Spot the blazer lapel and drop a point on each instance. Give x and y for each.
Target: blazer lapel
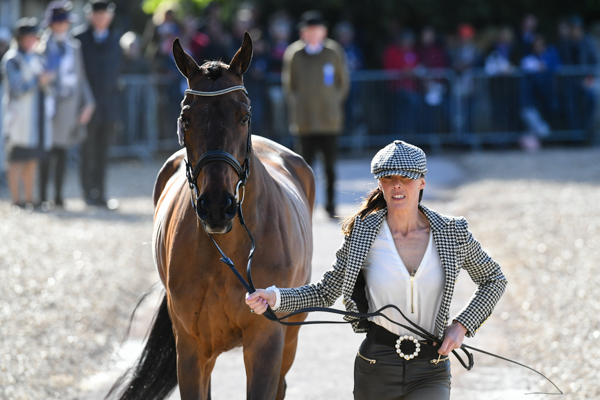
(445, 240)
(363, 235)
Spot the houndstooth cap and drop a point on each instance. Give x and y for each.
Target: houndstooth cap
(399, 158)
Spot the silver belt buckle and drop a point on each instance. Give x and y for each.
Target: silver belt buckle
(408, 339)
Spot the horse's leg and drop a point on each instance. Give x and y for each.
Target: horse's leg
(289, 353)
(193, 371)
(263, 351)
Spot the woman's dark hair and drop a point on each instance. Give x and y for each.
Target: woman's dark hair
(372, 202)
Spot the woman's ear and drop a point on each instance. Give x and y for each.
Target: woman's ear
(422, 185)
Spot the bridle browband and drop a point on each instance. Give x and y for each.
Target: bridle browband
(217, 92)
(243, 171)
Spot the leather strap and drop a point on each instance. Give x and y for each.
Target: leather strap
(216, 92)
(217, 155)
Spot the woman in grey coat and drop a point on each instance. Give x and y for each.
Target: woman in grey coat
(71, 90)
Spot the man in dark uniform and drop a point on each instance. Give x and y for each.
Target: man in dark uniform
(102, 59)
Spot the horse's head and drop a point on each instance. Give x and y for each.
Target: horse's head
(219, 124)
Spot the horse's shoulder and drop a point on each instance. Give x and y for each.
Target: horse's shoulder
(166, 172)
(279, 156)
(283, 159)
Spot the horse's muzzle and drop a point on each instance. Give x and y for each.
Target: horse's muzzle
(217, 218)
(218, 229)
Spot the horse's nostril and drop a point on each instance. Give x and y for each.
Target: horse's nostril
(230, 208)
(202, 207)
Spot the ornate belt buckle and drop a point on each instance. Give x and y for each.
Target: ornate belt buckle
(410, 349)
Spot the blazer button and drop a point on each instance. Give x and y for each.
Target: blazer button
(344, 301)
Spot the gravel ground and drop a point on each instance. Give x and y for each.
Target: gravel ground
(540, 216)
(69, 279)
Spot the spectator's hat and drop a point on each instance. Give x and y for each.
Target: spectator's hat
(25, 26)
(99, 5)
(58, 11)
(311, 18)
(399, 158)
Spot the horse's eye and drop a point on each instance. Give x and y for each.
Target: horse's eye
(246, 119)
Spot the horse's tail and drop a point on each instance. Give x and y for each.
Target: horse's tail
(154, 376)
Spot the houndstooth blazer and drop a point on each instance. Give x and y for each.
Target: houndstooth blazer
(457, 249)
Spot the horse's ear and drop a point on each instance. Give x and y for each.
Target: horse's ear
(185, 63)
(241, 61)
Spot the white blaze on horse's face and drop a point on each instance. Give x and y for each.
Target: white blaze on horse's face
(214, 127)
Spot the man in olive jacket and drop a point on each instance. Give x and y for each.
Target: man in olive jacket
(315, 81)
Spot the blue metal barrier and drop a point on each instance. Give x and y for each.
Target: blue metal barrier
(434, 108)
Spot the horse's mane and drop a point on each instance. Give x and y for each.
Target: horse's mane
(214, 69)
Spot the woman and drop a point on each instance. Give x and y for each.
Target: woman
(28, 110)
(74, 99)
(396, 251)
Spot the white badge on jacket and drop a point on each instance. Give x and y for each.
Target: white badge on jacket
(328, 74)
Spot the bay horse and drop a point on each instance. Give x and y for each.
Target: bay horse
(203, 313)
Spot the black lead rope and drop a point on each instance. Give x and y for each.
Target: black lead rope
(415, 329)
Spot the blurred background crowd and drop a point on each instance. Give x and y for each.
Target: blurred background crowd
(430, 74)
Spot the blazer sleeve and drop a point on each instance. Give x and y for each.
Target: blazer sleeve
(488, 277)
(323, 293)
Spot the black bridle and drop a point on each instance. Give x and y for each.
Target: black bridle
(243, 172)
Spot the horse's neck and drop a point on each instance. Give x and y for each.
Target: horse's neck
(257, 185)
(261, 191)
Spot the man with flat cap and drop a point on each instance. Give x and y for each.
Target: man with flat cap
(102, 59)
(315, 81)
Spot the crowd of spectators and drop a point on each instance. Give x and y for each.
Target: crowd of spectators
(419, 96)
(529, 104)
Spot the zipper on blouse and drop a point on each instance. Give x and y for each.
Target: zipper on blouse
(412, 290)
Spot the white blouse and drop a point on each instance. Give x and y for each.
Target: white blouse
(419, 295)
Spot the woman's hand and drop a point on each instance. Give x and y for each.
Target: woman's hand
(453, 338)
(260, 300)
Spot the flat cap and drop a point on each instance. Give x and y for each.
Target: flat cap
(311, 18)
(399, 158)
